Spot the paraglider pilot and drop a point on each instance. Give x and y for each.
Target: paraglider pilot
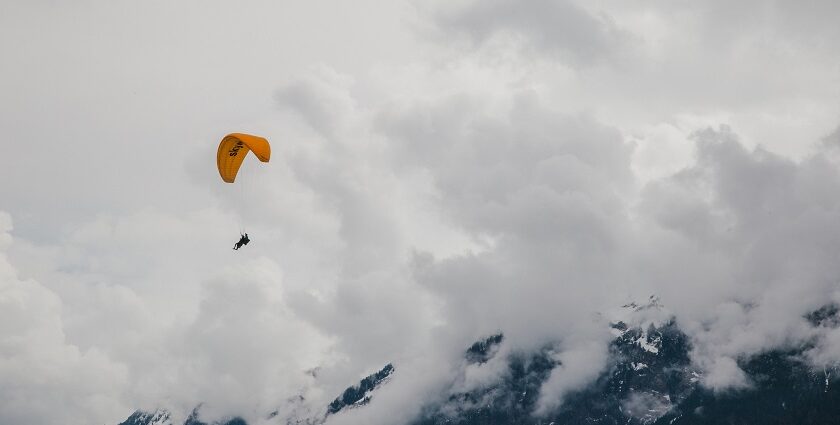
(243, 240)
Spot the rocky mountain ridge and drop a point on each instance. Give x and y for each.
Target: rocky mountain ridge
(649, 380)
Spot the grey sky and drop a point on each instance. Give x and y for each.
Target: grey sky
(440, 171)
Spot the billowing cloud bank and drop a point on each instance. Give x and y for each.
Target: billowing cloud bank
(520, 176)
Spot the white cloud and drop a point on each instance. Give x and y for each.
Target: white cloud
(646, 407)
(579, 366)
(38, 364)
(560, 27)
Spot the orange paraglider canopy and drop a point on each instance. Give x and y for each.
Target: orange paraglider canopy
(233, 149)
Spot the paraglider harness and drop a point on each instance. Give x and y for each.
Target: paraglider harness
(243, 240)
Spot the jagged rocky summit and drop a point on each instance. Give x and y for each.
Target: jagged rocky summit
(649, 380)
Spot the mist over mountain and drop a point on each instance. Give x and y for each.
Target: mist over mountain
(648, 379)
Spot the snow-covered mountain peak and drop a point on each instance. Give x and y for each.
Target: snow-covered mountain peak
(648, 378)
(642, 315)
(158, 417)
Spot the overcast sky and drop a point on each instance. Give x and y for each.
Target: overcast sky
(441, 171)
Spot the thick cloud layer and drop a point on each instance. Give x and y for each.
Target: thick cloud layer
(515, 167)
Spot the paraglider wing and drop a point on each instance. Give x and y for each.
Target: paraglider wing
(233, 149)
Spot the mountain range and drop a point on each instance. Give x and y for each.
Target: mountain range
(649, 380)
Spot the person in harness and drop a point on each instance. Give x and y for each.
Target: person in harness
(243, 240)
